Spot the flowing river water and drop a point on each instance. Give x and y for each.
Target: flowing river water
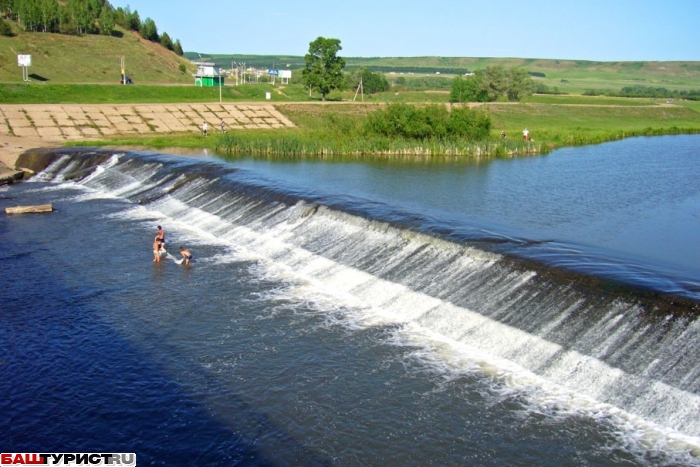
(538, 311)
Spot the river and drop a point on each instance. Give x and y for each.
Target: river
(509, 312)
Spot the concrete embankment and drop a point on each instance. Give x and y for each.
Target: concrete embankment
(29, 126)
(10, 149)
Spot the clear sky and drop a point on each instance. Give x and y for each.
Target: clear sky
(600, 30)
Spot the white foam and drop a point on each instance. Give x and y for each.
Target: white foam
(452, 338)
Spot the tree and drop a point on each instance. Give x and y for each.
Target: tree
(134, 21)
(177, 48)
(48, 15)
(79, 15)
(470, 89)
(166, 41)
(148, 30)
(519, 84)
(6, 9)
(324, 69)
(107, 21)
(122, 16)
(374, 82)
(496, 82)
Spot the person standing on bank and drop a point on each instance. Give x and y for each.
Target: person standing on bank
(204, 129)
(526, 134)
(223, 126)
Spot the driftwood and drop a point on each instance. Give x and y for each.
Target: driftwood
(28, 209)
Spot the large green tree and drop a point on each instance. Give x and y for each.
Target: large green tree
(519, 84)
(372, 83)
(468, 89)
(492, 84)
(324, 68)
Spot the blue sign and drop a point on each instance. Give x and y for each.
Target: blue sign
(271, 71)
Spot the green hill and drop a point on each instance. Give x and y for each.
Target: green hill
(59, 59)
(573, 76)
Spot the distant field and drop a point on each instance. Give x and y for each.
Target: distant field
(572, 124)
(573, 99)
(569, 76)
(85, 70)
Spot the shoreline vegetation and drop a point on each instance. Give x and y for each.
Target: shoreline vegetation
(574, 103)
(342, 128)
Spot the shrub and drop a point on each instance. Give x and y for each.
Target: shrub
(5, 28)
(428, 122)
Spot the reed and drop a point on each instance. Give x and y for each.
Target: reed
(311, 145)
(395, 131)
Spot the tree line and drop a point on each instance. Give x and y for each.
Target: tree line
(323, 72)
(78, 17)
(492, 84)
(647, 91)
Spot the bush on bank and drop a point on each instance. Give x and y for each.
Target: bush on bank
(397, 130)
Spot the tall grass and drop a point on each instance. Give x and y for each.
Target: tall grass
(310, 145)
(396, 131)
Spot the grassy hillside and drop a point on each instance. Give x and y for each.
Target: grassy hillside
(58, 58)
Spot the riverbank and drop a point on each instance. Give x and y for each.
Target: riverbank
(310, 129)
(28, 126)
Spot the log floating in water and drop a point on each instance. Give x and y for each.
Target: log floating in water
(28, 209)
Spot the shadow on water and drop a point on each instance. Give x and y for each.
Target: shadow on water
(71, 383)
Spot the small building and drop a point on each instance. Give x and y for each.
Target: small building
(208, 75)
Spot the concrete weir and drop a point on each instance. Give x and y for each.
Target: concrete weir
(8, 176)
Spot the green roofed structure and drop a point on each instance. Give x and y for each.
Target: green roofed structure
(208, 75)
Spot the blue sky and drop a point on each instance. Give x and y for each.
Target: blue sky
(600, 30)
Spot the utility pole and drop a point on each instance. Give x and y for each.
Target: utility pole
(360, 88)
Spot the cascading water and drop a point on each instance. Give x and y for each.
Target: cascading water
(597, 345)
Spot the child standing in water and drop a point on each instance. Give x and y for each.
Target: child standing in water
(156, 251)
(186, 255)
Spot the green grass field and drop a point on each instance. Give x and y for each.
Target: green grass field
(138, 94)
(561, 125)
(567, 122)
(60, 62)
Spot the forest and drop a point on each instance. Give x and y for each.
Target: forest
(79, 17)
